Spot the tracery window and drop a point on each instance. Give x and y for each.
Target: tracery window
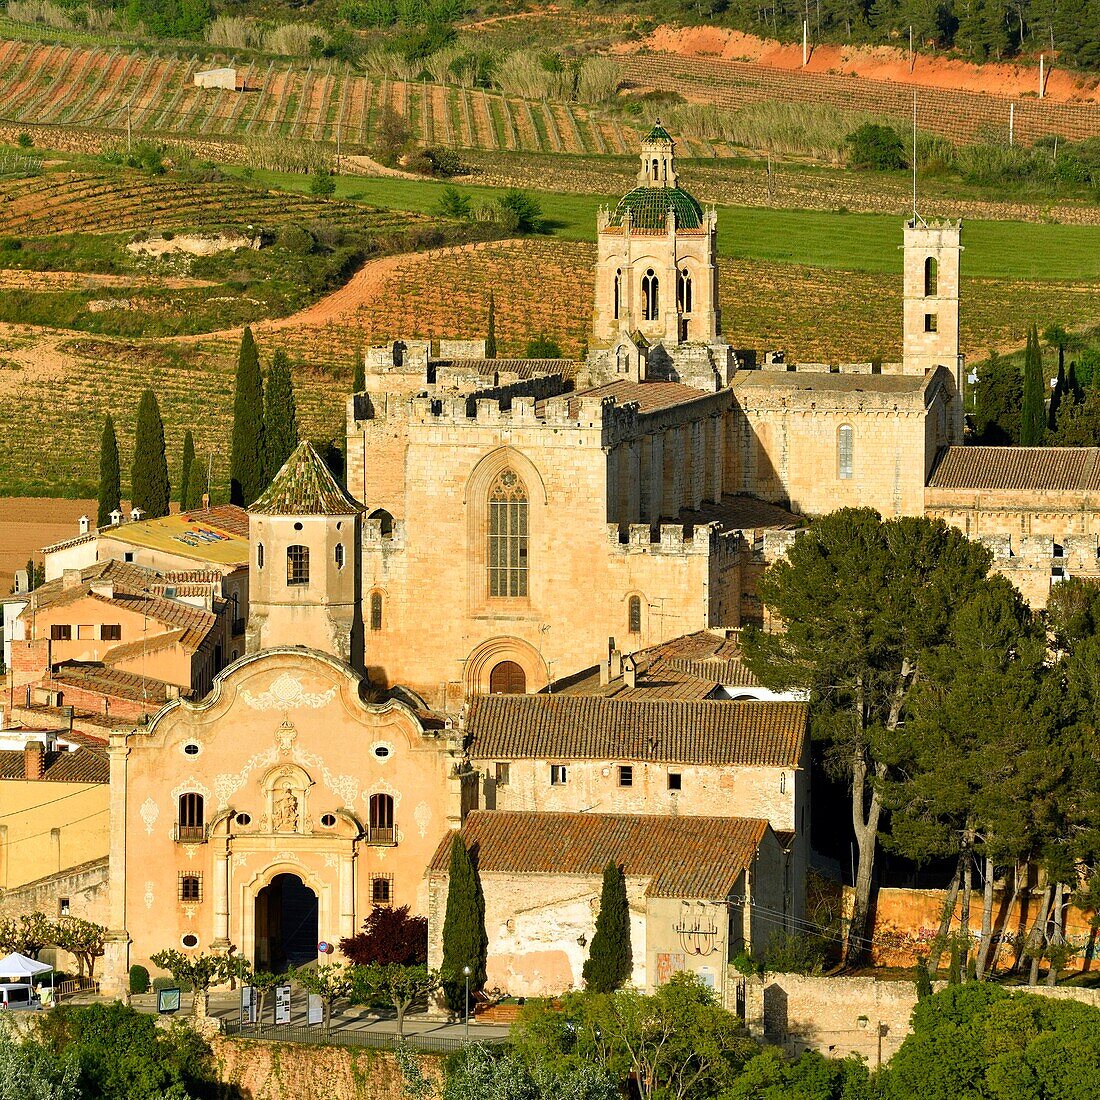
(683, 290)
(931, 277)
(844, 448)
(297, 565)
(507, 549)
(618, 293)
(634, 615)
(376, 611)
(651, 296)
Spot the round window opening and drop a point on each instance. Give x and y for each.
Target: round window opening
(191, 749)
(243, 819)
(190, 940)
(328, 820)
(297, 527)
(381, 751)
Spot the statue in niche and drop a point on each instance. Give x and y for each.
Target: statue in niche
(286, 812)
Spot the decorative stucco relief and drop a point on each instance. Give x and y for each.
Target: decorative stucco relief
(287, 693)
(422, 815)
(149, 812)
(345, 787)
(228, 784)
(148, 898)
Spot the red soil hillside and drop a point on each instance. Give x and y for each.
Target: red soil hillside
(882, 63)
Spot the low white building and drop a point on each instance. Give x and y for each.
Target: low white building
(217, 78)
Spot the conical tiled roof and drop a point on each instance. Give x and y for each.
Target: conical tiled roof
(658, 133)
(305, 487)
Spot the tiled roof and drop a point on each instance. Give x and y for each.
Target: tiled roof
(1020, 469)
(305, 487)
(78, 766)
(578, 727)
(648, 396)
(740, 512)
(829, 382)
(683, 857)
(658, 133)
(229, 517)
(123, 576)
(98, 678)
(218, 536)
(649, 207)
(523, 368)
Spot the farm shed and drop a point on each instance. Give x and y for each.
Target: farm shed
(217, 78)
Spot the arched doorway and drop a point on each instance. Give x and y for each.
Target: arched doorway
(286, 924)
(507, 678)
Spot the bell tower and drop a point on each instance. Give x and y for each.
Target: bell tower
(304, 541)
(933, 251)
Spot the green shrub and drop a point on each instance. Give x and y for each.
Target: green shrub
(520, 212)
(25, 140)
(170, 983)
(323, 182)
(795, 953)
(877, 147)
(296, 239)
(139, 979)
(542, 347)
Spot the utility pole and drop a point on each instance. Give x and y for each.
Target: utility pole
(1011, 123)
(129, 134)
(1042, 82)
(805, 42)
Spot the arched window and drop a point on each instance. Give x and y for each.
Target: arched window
(634, 615)
(381, 819)
(507, 536)
(651, 296)
(259, 555)
(844, 451)
(683, 290)
(297, 565)
(618, 292)
(338, 555)
(191, 821)
(376, 611)
(507, 678)
(655, 170)
(931, 277)
(385, 520)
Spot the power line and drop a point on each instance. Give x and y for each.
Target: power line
(35, 836)
(53, 801)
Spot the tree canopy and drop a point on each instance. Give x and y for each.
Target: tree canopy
(149, 486)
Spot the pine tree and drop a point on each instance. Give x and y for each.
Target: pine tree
(280, 416)
(110, 489)
(246, 459)
(149, 486)
(464, 939)
(491, 329)
(359, 381)
(1033, 415)
(185, 470)
(609, 959)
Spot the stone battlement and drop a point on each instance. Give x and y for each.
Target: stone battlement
(674, 538)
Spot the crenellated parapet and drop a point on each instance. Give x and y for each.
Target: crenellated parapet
(676, 540)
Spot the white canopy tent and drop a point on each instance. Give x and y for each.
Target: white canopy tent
(19, 966)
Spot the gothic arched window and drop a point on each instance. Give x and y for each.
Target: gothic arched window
(634, 615)
(844, 449)
(931, 277)
(507, 549)
(683, 290)
(376, 611)
(618, 293)
(651, 296)
(338, 555)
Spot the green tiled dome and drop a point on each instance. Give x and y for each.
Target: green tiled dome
(650, 206)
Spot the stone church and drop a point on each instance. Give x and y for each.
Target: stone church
(518, 618)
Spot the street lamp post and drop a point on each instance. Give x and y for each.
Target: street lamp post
(466, 971)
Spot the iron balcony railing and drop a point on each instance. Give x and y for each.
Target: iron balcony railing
(376, 834)
(189, 834)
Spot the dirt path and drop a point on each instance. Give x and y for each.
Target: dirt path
(17, 279)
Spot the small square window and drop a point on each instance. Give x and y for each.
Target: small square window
(61, 632)
(675, 781)
(626, 775)
(63, 907)
(128, 555)
(558, 775)
(502, 774)
(190, 887)
(85, 632)
(931, 322)
(111, 632)
(381, 890)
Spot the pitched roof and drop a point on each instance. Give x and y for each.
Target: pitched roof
(78, 766)
(1019, 469)
(684, 857)
(658, 133)
(305, 487)
(112, 682)
(830, 381)
(741, 512)
(572, 727)
(217, 535)
(650, 397)
(524, 368)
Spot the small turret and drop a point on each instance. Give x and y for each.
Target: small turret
(658, 158)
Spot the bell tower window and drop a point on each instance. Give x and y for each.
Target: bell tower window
(507, 537)
(931, 277)
(634, 615)
(376, 611)
(617, 302)
(651, 296)
(297, 565)
(683, 290)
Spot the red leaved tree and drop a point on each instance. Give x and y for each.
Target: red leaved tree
(389, 936)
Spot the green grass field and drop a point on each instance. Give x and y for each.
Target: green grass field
(844, 242)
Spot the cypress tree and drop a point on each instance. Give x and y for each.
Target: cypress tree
(185, 471)
(110, 488)
(197, 485)
(246, 457)
(924, 981)
(464, 939)
(491, 330)
(359, 382)
(1033, 415)
(149, 486)
(280, 416)
(609, 959)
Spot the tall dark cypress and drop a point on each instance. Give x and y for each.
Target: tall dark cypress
(359, 380)
(185, 467)
(149, 486)
(609, 958)
(246, 457)
(280, 416)
(110, 487)
(1056, 399)
(491, 329)
(1033, 415)
(464, 939)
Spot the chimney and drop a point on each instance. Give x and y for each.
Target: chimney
(630, 672)
(34, 760)
(615, 665)
(116, 518)
(136, 514)
(72, 578)
(84, 522)
(105, 589)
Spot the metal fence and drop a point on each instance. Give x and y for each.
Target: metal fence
(350, 1037)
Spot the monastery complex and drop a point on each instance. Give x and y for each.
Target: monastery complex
(518, 617)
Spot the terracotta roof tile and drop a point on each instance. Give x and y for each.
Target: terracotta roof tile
(572, 727)
(305, 487)
(832, 382)
(112, 682)
(684, 857)
(523, 368)
(78, 766)
(229, 517)
(1019, 469)
(740, 512)
(650, 397)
